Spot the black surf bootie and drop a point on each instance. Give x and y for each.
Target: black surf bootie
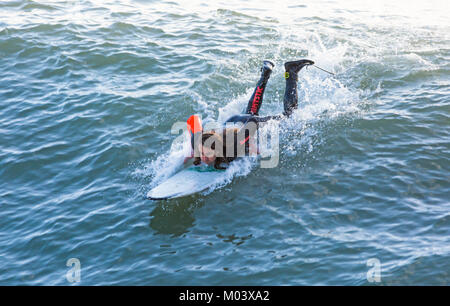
(266, 69)
(254, 104)
(292, 68)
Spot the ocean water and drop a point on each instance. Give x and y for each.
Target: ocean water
(90, 90)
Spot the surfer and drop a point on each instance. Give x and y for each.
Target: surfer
(219, 148)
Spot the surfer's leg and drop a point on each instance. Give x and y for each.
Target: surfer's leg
(254, 104)
(267, 118)
(291, 95)
(245, 118)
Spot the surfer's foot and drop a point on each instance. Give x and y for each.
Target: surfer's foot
(266, 70)
(296, 66)
(267, 65)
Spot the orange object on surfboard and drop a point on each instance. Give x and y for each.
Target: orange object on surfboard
(194, 124)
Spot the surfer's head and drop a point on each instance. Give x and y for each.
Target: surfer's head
(213, 150)
(209, 148)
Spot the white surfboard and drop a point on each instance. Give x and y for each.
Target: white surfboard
(186, 182)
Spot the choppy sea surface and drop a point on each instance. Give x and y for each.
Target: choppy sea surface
(89, 91)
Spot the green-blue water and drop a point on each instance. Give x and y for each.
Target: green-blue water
(89, 91)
